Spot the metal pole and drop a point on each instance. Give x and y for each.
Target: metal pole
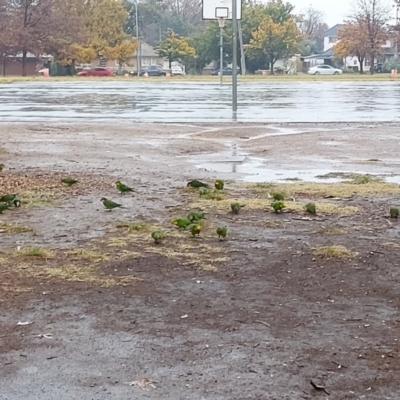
(221, 52)
(234, 55)
(137, 39)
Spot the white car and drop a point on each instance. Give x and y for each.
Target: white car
(324, 70)
(177, 70)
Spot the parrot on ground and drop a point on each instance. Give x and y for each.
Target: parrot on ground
(181, 223)
(311, 208)
(222, 231)
(122, 187)
(109, 204)
(394, 212)
(236, 207)
(8, 198)
(219, 185)
(2, 167)
(69, 181)
(158, 236)
(278, 206)
(195, 230)
(3, 207)
(195, 216)
(197, 184)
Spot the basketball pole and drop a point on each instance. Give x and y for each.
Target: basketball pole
(234, 57)
(221, 22)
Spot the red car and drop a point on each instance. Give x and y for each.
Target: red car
(96, 72)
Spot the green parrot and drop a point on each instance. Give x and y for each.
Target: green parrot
(8, 198)
(394, 212)
(69, 181)
(219, 185)
(222, 232)
(236, 207)
(195, 230)
(181, 223)
(17, 203)
(195, 216)
(278, 196)
(109, 204)
(197, 184)
(3, 207)
(122, 187)
(158, 236)
(278, 206)
(311, 208)
(2, 167)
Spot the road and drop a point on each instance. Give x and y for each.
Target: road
(163, 101)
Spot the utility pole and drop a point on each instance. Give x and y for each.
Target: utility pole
(234, 55)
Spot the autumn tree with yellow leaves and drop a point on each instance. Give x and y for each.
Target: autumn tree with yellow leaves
(274, 40)
(352, 41)
(174, 47)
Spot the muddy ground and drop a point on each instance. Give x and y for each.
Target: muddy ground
(287, 298)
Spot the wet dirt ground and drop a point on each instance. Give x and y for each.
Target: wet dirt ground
(256, 316)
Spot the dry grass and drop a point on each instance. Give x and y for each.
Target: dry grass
(34, 251)
(331, 230)
(38, 198)
(88, 254)
(265, 204)
(335, 251)
(14, 228)
(74, 273)
(313, 189)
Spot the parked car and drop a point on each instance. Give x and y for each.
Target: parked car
(96, 72)
(324, 70)
(225, 71)
(177, 70)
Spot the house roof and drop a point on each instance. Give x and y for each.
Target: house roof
(333, 31)
(326, 55)
(146, 51)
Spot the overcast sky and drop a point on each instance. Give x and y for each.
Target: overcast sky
(334, 10)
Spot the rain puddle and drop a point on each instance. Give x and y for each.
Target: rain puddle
(230, 164)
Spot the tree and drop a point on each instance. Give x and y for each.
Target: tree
(274, 40)
(6, 38)
(174, 47)
(122, 53)
(312, 26)
(352, 42)
(373, 16)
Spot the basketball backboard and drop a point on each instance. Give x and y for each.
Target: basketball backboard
(215, 9)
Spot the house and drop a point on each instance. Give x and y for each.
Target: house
(12, 65)
(350, 62)
(147, 57)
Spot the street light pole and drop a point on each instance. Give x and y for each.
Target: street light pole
(137, 39)
(234, 55)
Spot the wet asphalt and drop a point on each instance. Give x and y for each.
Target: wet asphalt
(163, 101)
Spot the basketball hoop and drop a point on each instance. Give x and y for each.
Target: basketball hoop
(221, 22)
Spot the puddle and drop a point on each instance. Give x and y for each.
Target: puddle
(230, 165)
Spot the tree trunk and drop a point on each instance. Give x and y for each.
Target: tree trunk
(24, 52)
(170, 62)
(371, 68)
(4, 67)
(361, 61)
(242, 55)
(271, 66)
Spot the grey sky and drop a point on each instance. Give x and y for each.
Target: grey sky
(334, 10)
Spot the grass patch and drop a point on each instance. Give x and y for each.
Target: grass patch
(35, 251)
(37, 198)
(73, 273)
(88, 254)
(117, 242)
(265, 204)
(336, 251)
(331, 230)
(14, 228)
(314, 189)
